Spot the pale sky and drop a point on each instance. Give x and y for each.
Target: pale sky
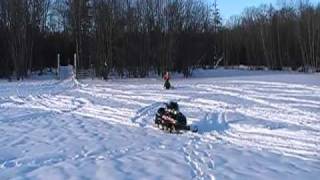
(235, 7)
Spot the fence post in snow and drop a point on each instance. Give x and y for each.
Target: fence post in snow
(58, 66)
(75, 65)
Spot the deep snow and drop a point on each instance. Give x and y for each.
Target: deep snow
(252, 125)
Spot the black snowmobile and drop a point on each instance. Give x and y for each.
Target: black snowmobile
(167, 84)
(169, 118)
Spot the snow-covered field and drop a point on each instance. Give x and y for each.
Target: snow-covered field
(252, 125)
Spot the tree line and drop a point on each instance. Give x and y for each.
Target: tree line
(288, 37)
(135, 37)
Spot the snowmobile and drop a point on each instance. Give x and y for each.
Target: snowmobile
(167, 84)
(169, 118)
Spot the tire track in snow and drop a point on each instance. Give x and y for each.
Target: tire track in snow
(55, 103)
(299, 142)
(145, 116)
(278, 141)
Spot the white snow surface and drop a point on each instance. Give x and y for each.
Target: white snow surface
(252, 125)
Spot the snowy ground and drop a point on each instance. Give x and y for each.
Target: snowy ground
(253, 125)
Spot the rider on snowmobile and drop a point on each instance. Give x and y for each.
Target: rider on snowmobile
(171, 118)
(173, 107)
(166, 78)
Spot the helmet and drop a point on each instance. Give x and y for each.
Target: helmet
(173, 106)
